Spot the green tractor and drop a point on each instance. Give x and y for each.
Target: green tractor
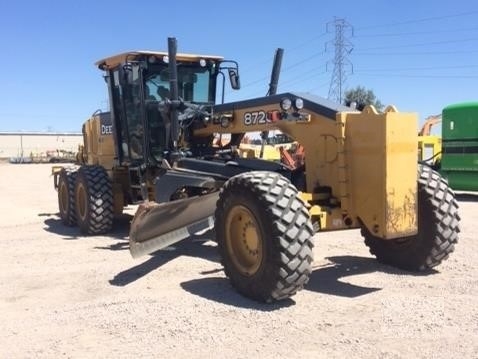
(457, 157)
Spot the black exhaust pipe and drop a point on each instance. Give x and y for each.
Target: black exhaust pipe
(276, 66)
(173, 89)
(275, 72)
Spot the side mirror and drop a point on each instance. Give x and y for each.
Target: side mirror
(234, 78)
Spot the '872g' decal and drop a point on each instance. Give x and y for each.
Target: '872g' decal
(255, 118)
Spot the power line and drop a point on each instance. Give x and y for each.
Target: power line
(421, 44)
(299, 78)
(288, 68)
(342, 47)
(314, 89)
(395, 34)
(420, 76)
(424, 53)
(309, 41)
(420, 68)
(304, 60)
(414, 21)
(263, 60)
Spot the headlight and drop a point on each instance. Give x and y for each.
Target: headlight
(298, 104)
(224, 122)
(285, 104)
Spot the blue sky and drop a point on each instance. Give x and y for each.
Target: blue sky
(418, 55)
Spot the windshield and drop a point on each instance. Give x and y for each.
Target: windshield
(195, 83)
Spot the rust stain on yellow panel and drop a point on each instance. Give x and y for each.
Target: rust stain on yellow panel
(381, 153)
(400, 217)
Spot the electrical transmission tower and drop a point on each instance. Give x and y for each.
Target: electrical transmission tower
(342, 65)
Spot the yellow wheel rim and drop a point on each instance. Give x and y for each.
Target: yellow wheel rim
(81, 201)
(64, 197)
(244, 240)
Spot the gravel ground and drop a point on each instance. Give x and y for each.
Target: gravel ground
(64, 295)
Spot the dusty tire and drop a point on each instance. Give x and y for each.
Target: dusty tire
(438, 228)
(93, 200)
(66, 195)
(264, 236)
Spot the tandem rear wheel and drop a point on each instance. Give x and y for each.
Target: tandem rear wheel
(93, 200)
(438, 228)
(85, 198)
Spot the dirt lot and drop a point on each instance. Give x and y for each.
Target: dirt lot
(64, 295)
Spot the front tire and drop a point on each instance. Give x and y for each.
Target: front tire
(94, 200)
(438, 228)
(264, 236)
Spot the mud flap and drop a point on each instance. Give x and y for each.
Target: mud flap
(156, 226)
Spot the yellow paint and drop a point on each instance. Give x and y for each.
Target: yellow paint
(429, 148)
(382, 171)
(367, 159)
(98, 148)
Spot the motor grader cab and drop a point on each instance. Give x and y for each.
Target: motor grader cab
(360, 171)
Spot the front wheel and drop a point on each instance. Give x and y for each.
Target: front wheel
(264, 236)
(438, 228)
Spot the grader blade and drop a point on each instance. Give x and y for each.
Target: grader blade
(156, 226)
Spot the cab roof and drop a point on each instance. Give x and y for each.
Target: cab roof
(116, 60)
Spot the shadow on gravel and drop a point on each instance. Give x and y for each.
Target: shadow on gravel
(466, 197)
(327, 278)
(218, 289)
(120, 229)
(54, 225)
(192, 247)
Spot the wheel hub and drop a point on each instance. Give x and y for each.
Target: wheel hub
(64, 198)
(244, 240)
(250, 238)
(81, 201)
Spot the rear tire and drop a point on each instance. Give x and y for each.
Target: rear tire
(264, 236)
(94, 200)
(66, 195)
(438, 228)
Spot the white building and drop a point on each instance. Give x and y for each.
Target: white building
(37, 144)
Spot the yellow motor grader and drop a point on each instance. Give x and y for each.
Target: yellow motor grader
(157, 147)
